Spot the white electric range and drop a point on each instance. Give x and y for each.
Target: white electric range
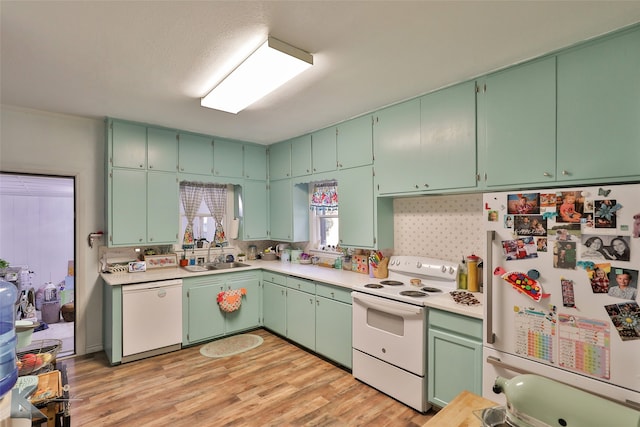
(435, 276)
(390, 326)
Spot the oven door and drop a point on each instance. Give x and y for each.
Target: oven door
(392, 331)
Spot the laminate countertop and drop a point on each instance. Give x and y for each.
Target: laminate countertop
(459, 412)
(341, 278)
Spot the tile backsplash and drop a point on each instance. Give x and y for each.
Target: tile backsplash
(444, 227)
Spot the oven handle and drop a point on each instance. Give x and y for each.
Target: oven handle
(399, 309)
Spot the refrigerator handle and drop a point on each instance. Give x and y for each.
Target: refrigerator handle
(488, 321)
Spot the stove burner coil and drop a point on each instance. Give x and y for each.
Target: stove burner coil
(413, 294)
(431, 289)
(391, 283)
(373, 286)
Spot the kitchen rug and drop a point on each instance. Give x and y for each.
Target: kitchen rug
(231, 345)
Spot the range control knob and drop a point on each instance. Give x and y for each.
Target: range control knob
(418, 264)
(451, 270)
(443, 268)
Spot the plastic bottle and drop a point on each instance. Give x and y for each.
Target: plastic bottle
(473, 281)
(8, 368)
(462, 275)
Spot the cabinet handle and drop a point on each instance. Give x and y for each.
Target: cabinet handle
(311, 301)
(417, 186)
(150, 166)
(141, 166)
(339, 165)
(139, 240)
(332, 295)
(151, 239)
(547, 174)
(426, 186)
(565, 173)
(314, 169)
(318, 302)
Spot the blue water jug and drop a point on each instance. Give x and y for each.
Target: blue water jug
(8, 339)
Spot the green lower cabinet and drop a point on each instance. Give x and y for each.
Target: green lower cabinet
(314, 315)
(202, 318)
(454, 356)
(249, 313)
(301, 318)
(333, 330)
(274, 307)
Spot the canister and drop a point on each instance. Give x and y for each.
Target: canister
(473, 277)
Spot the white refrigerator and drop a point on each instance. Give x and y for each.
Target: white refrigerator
(561, 288)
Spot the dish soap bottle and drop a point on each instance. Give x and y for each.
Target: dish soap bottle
(462, 275)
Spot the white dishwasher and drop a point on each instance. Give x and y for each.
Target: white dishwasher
(151, 319)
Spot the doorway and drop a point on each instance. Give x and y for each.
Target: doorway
(37, 239)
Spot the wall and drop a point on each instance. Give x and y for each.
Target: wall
(444, 227)
(52, 144)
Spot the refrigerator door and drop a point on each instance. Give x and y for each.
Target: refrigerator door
(567, 324)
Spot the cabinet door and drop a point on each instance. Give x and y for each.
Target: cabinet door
(333, 330)
(357, 210)
(195, 154)
(128, 207)
(301, 156)
(301, 318)
(355, 142)
(396, 137)
(205, 319)
(323, 145)
(248, 315)
(448, 142)
(129, 142)
(599, 110)
(255, 162)
(280, 160)
(227, 158)
(454, 365)
(255, 202)
(274, 308)
(162, 150)
(162, 207)
(519, 108)
(280, 210)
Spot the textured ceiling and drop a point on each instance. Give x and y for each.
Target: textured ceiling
(151, 61)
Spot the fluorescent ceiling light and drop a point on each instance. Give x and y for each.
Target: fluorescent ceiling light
(269, 67)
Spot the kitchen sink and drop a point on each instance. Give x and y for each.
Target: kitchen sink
(225, 265)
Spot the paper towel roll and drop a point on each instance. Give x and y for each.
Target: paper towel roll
(233, 228)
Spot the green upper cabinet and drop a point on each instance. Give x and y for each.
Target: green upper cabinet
(365, 221)
(255, 162)
(227, 158)
(323, 143)
(396, 138)
(162, 207)
(195, 154)
(599, 110)
(128, 145)
(355, 142)
(288, 211)
(255, 214)
(127, 210)
(448, 138)
(517, 132)
(280, 160)
(281, 209)
(301, 156)
(162, 150)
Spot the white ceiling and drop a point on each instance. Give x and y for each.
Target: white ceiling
(151, 61)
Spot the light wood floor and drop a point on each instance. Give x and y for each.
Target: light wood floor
(275, 384)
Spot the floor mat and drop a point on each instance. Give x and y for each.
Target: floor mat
(232, 345)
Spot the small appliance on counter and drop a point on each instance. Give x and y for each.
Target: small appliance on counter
(536, 401)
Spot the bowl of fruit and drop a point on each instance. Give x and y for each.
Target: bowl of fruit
(38, 356)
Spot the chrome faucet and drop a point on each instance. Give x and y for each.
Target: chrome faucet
(221, 257)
